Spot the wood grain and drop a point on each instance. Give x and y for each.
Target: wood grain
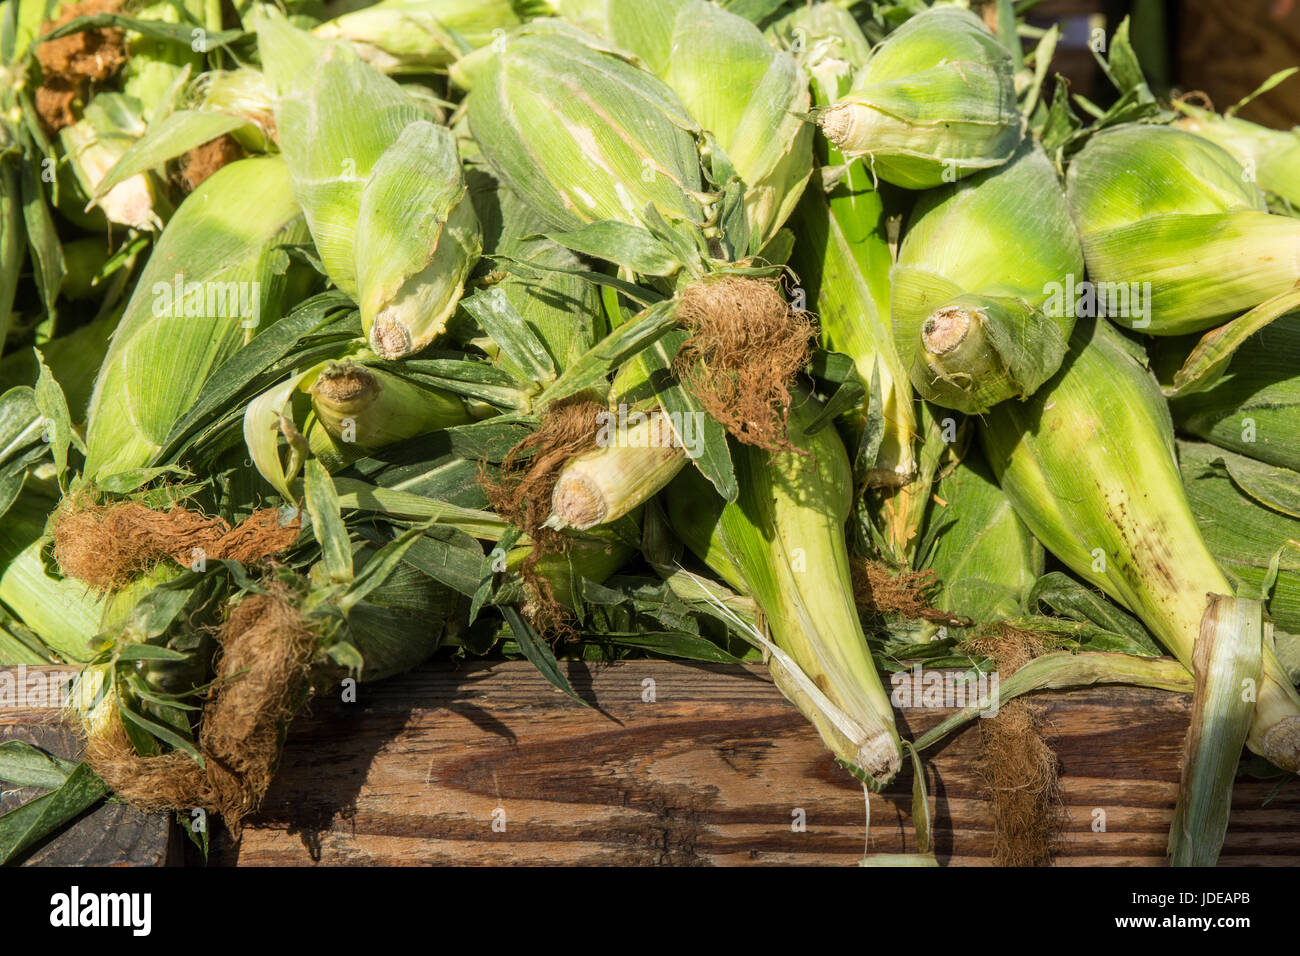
(109, 834)
(714, 771)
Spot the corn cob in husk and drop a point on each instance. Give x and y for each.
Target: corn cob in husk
(935, 102)
(379, 183)
(844, 257)
(421, 36)
(984, 557)
(216, 275)
(1174, 219)
(623, 143)
(1270, 156)
(978, 298)
(747, 96)
(627, 468)
(783, 543)
(1088, 462)
(611, 155)
(629, 464)
(94, 144)
(357, 410)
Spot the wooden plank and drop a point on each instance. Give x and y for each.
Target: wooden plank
(110, 834)
(715, 769)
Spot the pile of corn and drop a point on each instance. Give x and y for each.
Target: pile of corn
(819, 334)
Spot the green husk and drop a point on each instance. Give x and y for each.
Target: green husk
(1272, 156)
(558, 308)
(94, 144)
(155, 66)
(1088, 463)
(935, 102)
(1157, 205)
(358, 410)
(843, 255)
(749, 97)
(421, 36)
(243, 93)
(591, 556)
(1227, 658)
(1254, 408)
(380, 185)
(61, 612)
(402, 622)
(783, 542)
(625, 143)
(978, 301)
(984, 557)
(73, 359)
(13, 240)
(1245, 527)
(229, 230)
(1065, 670)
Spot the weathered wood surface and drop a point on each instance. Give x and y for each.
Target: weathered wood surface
(715, 770)
(110, 834)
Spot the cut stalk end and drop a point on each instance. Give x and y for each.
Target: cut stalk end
(390, 338)
(1282, 744)
(345, 384)
(946, 329)
(577, 502)
(880, 756)
(837, 124)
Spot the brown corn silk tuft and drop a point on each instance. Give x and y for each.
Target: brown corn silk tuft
(261, 681)
(521, 493)
(107, 546)
(1019, 769)
(745, 347)
(878, 589)
(70, 65)
(202, 161)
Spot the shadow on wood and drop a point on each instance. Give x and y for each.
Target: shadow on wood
(681, 765)
(694, 765)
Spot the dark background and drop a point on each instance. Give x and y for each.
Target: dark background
(1222, 48)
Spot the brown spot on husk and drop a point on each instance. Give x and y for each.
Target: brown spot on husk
(521, 493)
(262, 680)
(1019, 770)
(107, 546)
(202, 161)
(746, 347)
(70, 65)
(878, 589)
